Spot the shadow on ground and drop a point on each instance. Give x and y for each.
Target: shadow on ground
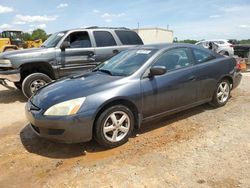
(40, 146)
(11, 95)
(167, 120)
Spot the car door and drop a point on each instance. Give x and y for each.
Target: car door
(175, 89)
(207, 73)
(106, 46)
(79, 57)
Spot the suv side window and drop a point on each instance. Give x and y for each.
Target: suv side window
(79, 40)
(104, 38)
(129, 37)
(174, 59)
(202, 56)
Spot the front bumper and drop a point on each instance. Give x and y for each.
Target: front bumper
(10, 75)
(65, 129)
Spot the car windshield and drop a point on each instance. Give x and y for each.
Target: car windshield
(53, 40)
(126, 62)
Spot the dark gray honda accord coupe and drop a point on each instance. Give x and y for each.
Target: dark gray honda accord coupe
(137, 85)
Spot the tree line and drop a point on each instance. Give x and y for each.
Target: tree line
(36, 34)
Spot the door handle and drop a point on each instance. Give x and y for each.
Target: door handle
(91, 54)
(115, 51)
(192, 78)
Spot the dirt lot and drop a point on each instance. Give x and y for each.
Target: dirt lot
(201, 147)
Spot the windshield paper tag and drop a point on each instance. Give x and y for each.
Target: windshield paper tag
(143, 51)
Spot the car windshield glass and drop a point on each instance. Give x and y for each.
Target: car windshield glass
(53, 40)
(126, 62)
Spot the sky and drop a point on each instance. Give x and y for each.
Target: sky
(189, 19)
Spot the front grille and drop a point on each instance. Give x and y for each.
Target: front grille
(36, 128)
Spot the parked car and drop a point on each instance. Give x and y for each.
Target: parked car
(62, 54)
(224, 47)
(135, 86)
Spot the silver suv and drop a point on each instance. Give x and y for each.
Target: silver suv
(64, 53)
(223, 46)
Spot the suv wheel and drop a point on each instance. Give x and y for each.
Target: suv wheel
(221, 94)
(114, 126)
(33, 82)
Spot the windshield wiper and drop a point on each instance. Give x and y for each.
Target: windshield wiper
(105, 71)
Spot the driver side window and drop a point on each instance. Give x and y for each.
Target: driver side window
(79, 40)
(174, 59)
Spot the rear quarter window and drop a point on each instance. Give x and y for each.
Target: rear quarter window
(128, 37)
(201, 56)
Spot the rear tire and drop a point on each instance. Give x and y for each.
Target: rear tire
(33, 82)
(221, 94)
(114, 126)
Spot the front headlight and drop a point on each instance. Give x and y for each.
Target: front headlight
(5, 63)
(69, 107)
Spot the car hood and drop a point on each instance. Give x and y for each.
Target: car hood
(25, 52)
(74, 87)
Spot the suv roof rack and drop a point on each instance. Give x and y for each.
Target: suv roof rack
(96, 27)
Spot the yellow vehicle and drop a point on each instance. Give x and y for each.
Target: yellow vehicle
(13, 40)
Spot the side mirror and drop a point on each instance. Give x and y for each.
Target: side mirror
(157, 70)
(65, 45)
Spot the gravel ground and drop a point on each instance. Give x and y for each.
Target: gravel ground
(200, 147)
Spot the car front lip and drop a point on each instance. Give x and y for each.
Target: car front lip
(65, 129)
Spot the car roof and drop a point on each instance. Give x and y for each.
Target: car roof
(166, 45)
(95, 28)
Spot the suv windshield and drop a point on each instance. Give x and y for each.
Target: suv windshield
(126, 62)
(53, 40)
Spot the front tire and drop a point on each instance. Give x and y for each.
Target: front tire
(33, 82)
(221, 94)
(114, 126)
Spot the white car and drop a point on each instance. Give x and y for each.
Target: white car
(223, 46)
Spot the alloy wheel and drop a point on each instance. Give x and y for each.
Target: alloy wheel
(223, 92)
(116, 126)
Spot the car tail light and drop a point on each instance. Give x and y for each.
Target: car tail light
(238, 66)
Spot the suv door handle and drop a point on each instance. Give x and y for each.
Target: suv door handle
(192, 78)
(115, 51)
(90, 54)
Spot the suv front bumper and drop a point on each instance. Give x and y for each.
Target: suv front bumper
(10, 75)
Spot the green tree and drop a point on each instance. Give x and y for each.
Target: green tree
(190, 41)
(26, 36)
(39, 34)
(247, 41)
